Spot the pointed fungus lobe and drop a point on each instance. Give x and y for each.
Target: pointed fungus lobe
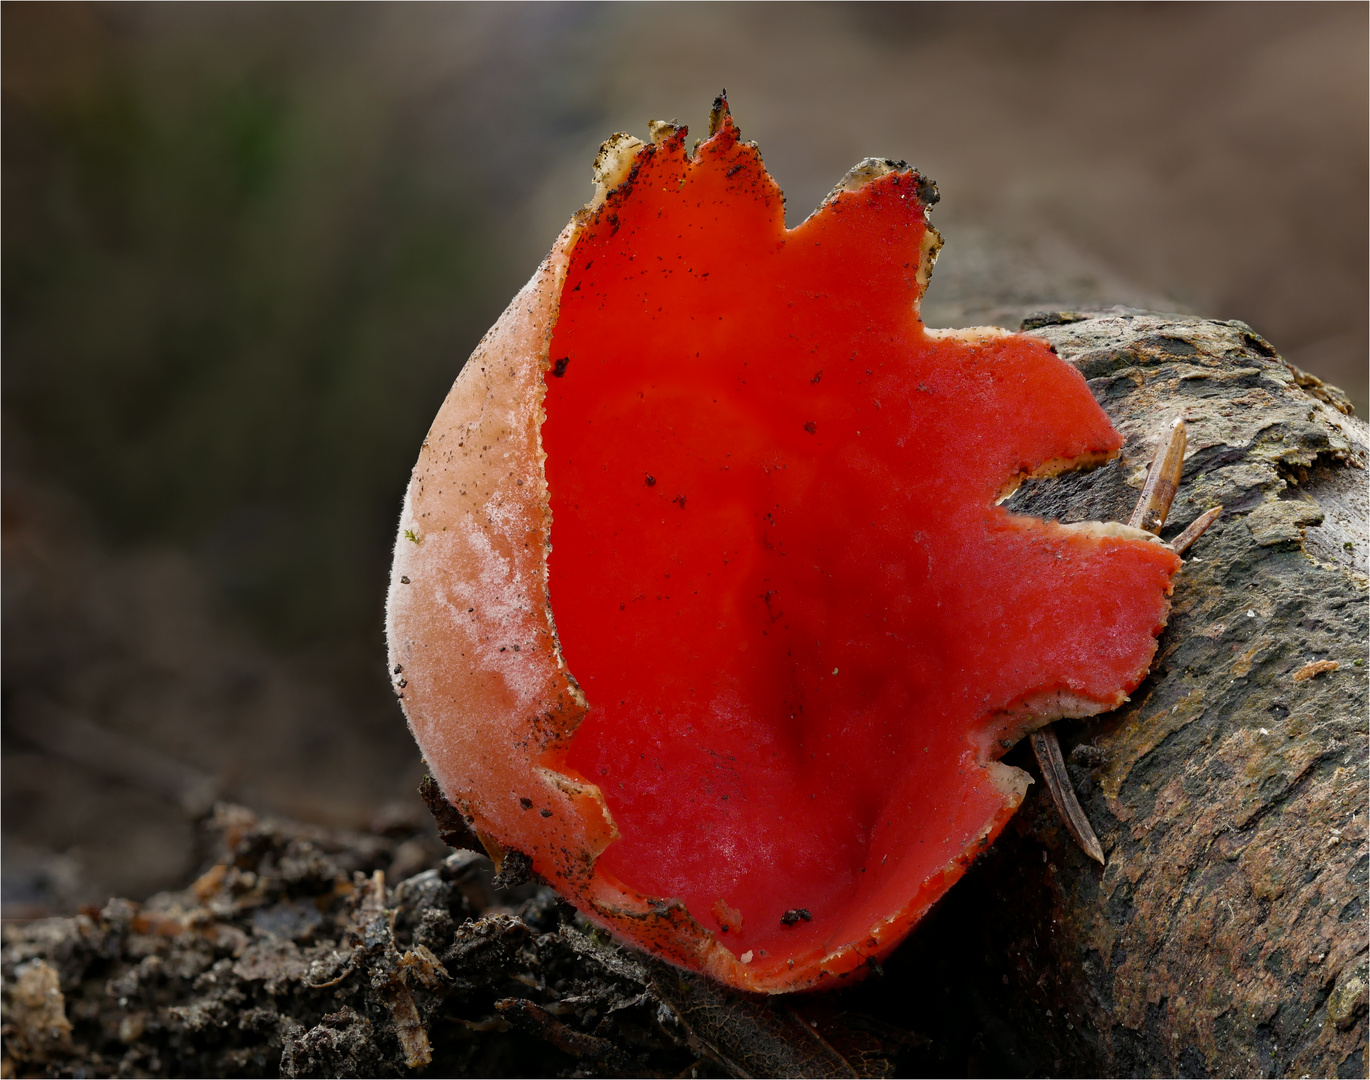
(775, 677)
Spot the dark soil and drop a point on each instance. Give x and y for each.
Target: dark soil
(292, 956)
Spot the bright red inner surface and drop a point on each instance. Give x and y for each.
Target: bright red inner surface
(778, 571)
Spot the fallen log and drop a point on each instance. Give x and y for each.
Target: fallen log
(1226, 936)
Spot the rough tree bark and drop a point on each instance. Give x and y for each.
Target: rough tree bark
(1226, 935)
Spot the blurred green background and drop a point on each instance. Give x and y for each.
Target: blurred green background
(247, 247)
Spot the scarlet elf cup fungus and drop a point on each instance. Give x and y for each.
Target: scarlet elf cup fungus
(703, 601)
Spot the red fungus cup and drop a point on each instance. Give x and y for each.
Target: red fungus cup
(703, 599)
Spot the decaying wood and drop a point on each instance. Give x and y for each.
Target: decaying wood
(1046, 748)
(1162, 480)
(1229, 794)
(1194, 530)
(1225, 936)
(1153, 507)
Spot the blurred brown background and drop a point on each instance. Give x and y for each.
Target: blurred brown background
(246, 248)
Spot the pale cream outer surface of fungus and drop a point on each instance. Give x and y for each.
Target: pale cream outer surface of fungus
(472, 647)
(473, 652)
(477, 666)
